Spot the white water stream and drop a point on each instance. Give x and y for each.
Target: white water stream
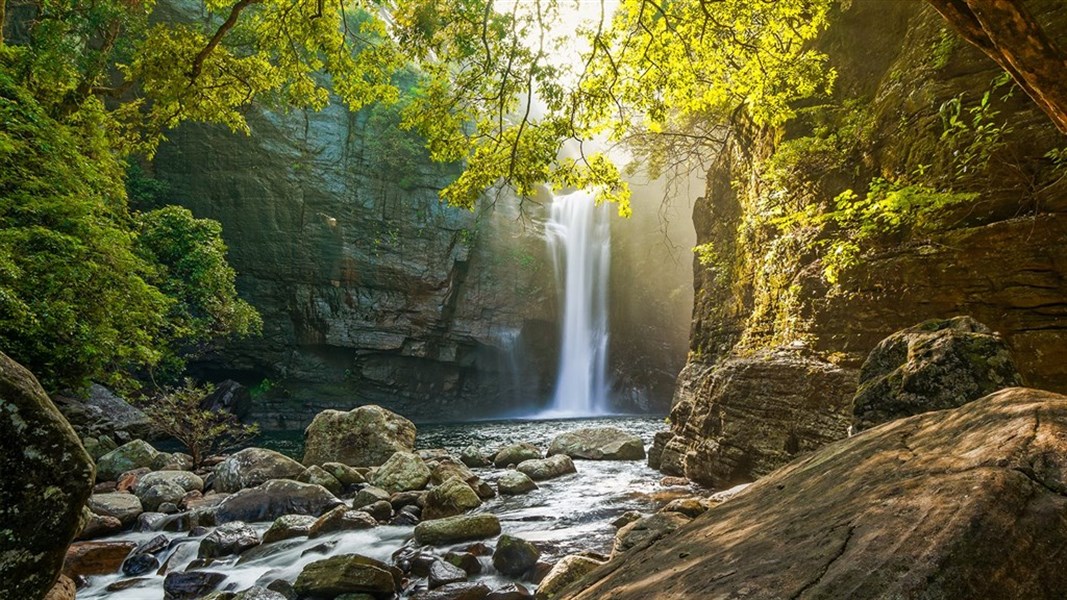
(579, 238)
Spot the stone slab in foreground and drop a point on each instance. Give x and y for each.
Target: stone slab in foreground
(956, 504)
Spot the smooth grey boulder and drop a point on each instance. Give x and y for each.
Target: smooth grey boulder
(276, 498)
(253, 466)
(47, 477)
(124, 507)
(363, 437)
(159, 494)
(514, 483)
(515, 454)
(231, 538)
(547, 468)
(598, 443)
(183, 479)
(345, 574)
(287, 527)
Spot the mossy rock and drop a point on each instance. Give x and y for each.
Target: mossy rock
(48, 476)
(935, 365)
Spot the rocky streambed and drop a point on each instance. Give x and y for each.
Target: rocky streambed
(455, 511)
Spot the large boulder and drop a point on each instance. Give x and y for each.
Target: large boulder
(183, 479)
(964, 503)
(232, 538)
(364, 437)
(253, 466)
(514, 483)
(598, 443)
(276, 498)
(124, 507)
(287, 527)
(101, 413)
(451, 498)
(137, 454)
(47, 476)
(403, 472)
(746, 416)
(345, 574)
(514, 556)
(457, 529)
(540, 469)
(514, 454)
(942, 363)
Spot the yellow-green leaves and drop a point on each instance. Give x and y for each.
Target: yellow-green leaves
(502, 87)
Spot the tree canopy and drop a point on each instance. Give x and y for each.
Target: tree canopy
(89, 87)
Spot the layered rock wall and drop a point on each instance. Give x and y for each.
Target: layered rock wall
(1000, 257)
(371, 291)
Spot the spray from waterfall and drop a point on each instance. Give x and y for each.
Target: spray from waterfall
(579, 240)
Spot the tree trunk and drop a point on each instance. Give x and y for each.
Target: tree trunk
(1008, 34)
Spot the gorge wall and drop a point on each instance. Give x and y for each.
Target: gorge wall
(372, 291)
(765, 311)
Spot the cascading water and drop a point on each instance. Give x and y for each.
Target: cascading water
(579, 239)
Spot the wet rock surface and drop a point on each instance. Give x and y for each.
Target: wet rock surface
(345, 574)
(381, 528)
(456, 529)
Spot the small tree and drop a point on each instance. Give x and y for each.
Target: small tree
(176, 412)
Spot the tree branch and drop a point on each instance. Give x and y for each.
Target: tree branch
(1006, 32)
(198, 63)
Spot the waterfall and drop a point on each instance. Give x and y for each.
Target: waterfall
(579, 239)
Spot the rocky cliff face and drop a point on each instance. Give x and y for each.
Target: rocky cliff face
(999, 256)
(371, 291)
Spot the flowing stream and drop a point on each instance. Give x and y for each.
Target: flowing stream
(565, 515)
(579, 238)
